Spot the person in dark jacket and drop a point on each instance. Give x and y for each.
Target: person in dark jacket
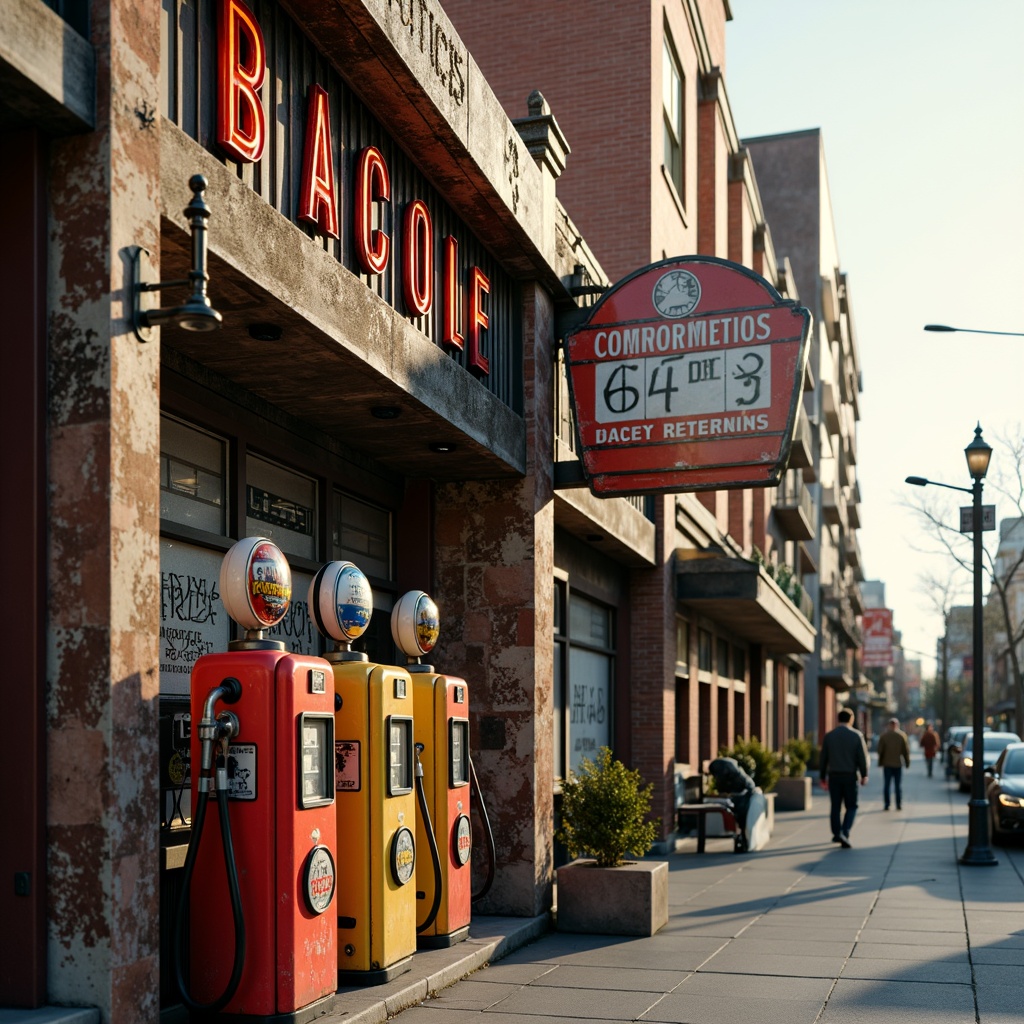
(844, 762)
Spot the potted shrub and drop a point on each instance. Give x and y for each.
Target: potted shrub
(794, 788)
(606, 890)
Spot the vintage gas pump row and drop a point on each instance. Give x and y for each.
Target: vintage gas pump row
(343, 837)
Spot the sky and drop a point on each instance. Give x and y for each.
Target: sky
(921, 108)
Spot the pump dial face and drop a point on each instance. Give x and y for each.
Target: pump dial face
(415, 623)
(256, 583)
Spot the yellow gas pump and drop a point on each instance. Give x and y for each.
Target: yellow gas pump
(441, 703)
(375, 795)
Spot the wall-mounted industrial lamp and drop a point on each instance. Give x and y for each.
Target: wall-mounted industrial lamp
(197, 314)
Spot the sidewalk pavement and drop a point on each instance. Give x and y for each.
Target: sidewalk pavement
(892, 931)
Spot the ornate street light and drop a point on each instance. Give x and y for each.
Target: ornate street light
(978, 851)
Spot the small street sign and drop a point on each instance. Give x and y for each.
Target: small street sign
(988, 518)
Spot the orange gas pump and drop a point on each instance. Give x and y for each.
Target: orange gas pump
(441, 711)
(374, 798)
(267, 859)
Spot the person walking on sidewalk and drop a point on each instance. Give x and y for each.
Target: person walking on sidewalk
(893, 753)
(930, 744)
(844, 758)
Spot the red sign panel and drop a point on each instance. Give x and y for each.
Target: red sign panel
(686, 376)
(876, 625)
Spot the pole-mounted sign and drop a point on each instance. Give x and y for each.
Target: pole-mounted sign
(687, 376)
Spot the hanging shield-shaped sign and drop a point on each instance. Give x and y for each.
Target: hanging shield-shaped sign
(686, 376)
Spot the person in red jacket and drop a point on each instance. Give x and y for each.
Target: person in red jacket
(930, 745)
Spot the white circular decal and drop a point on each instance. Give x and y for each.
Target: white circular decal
(676, 293)
(403, 856)
(462, 839)
(319, 879)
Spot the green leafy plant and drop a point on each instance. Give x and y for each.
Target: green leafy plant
(796, 756)
(604, 812)
(760, 763)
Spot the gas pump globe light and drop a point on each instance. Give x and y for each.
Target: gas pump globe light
(341, 601)
(256, 583)
(415, 624)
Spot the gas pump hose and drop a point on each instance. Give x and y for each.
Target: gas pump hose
(199, 818)
(435, 855)
(482, 811)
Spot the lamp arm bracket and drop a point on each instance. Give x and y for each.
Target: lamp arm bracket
(196, 314)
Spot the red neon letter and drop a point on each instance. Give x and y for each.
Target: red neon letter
(452, 295)
(241, 128)
(417, 258)
(479, 286)
(318, 201)
(373, 184)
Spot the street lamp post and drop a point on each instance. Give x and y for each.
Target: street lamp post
(979, 851)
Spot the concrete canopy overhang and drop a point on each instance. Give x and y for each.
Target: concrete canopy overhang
(47, 71)
(740, 594)
(342, 351)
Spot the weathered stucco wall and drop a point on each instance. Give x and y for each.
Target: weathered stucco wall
(103, 550)
(494, 565)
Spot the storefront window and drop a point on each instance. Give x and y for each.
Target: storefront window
(192, 477)
(361, 533)
(280, 504)
(583, 672)
(590, 679)
(561, 648)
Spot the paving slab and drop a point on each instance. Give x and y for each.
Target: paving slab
(905, 1002)
(892, 931)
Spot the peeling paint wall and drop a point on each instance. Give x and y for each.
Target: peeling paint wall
(103, 555)
(495, 569)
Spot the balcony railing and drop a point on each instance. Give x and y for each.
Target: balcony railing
(794, 510)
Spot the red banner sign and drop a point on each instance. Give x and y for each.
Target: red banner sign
(686, 376)
(876, 625)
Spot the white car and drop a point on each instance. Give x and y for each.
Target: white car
(992, 745)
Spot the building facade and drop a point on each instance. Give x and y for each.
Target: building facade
(395, 254)
(794, 183)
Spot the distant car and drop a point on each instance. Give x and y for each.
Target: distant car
(954, 741)
(992, 745)
(1006, 793)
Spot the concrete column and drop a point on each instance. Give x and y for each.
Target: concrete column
(495, 577)
(103, 554)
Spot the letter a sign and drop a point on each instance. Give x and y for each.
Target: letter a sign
(686, 376)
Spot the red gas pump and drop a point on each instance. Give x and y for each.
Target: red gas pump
(266, 861)
(441, 710)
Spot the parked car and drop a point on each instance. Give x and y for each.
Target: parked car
(1006, 793)
(992, 745)
(952, 745)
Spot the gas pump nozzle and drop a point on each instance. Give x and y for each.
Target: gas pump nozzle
(213, 730)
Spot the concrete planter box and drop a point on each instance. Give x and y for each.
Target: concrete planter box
(627, 900)
(793, 794)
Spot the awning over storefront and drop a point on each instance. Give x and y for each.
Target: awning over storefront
(740, 594)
